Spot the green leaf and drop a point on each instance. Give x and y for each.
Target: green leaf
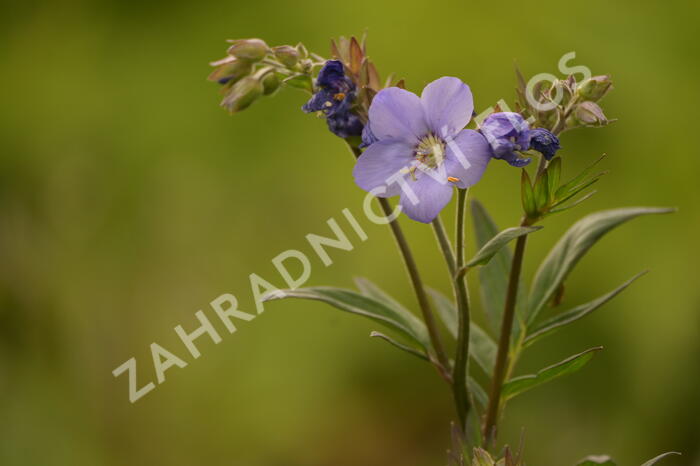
(542, 191)
(565, 188)
(493, 277)
(554, 171)
(446, 310)
(594, 460)
(482, 348)
(518, 385)
(371, 290)
(491, 248)
(350, 301)
(572, 246)
(660, 457)
(527, 195)
(413, 351)
(572, 204)
(475, 389)
(555, 323)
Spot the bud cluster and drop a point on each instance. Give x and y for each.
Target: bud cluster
(564, 104)
(252, 69)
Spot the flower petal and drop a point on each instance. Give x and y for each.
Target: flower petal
(448, 105)
(466, 157)
(426, 198)
(398, 114)
(379, 163)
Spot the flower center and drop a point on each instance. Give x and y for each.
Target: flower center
(430, 151)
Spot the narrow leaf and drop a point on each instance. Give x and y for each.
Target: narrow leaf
(371, 290)
(350, 301)
(554, 172)
(482, 348)
(555, 323)
(660, 457)
(493, 277)
(401, 346)
(479, 393)
(488, 250)
(565, 188)
(518, 385)
(572, 246)
(572, 204)
(527, 195)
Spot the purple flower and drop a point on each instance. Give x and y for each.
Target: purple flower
(544, 142)
(420, 149)
(507, 133)
(368, 137)
(334, 98)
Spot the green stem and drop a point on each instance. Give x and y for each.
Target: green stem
(445, 245)
(500, 369)
(416, 281)
(460, 373)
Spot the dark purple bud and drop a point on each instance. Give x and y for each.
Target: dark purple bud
(544, 142)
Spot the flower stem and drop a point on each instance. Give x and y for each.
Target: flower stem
(445, 245)
(500, 369)
(416, 281)
(460, 373)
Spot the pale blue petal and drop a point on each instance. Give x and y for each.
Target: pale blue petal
(448, 105)
(379, 164)
(398, 114)
(427, 198)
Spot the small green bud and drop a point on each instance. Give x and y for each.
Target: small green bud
(230, 70)
(595, 88)
(590, 114)
(252, 50)
(482, 458)
(287, 55)
(270, 83)
(243, 94)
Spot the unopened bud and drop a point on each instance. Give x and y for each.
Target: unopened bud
(595, 88)
(287, 55)
(590, 114)
(230, 69)
(252, 50)
(270, 83)
(242, 94)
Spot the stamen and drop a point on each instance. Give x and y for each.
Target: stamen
(452, 179)
(339, 96)
(328, 103)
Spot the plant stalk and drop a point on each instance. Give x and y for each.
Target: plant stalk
(416, 281)
(500, 369)
(460, 372)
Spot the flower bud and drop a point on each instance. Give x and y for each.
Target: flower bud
(252, 50)
(287, 55)
(230, 69)
(270, 83)
(590, 114)
(243, 94)
(595, 88)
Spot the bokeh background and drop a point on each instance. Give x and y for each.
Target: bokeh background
(129, 200)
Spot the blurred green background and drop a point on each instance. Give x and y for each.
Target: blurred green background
(129, 200)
